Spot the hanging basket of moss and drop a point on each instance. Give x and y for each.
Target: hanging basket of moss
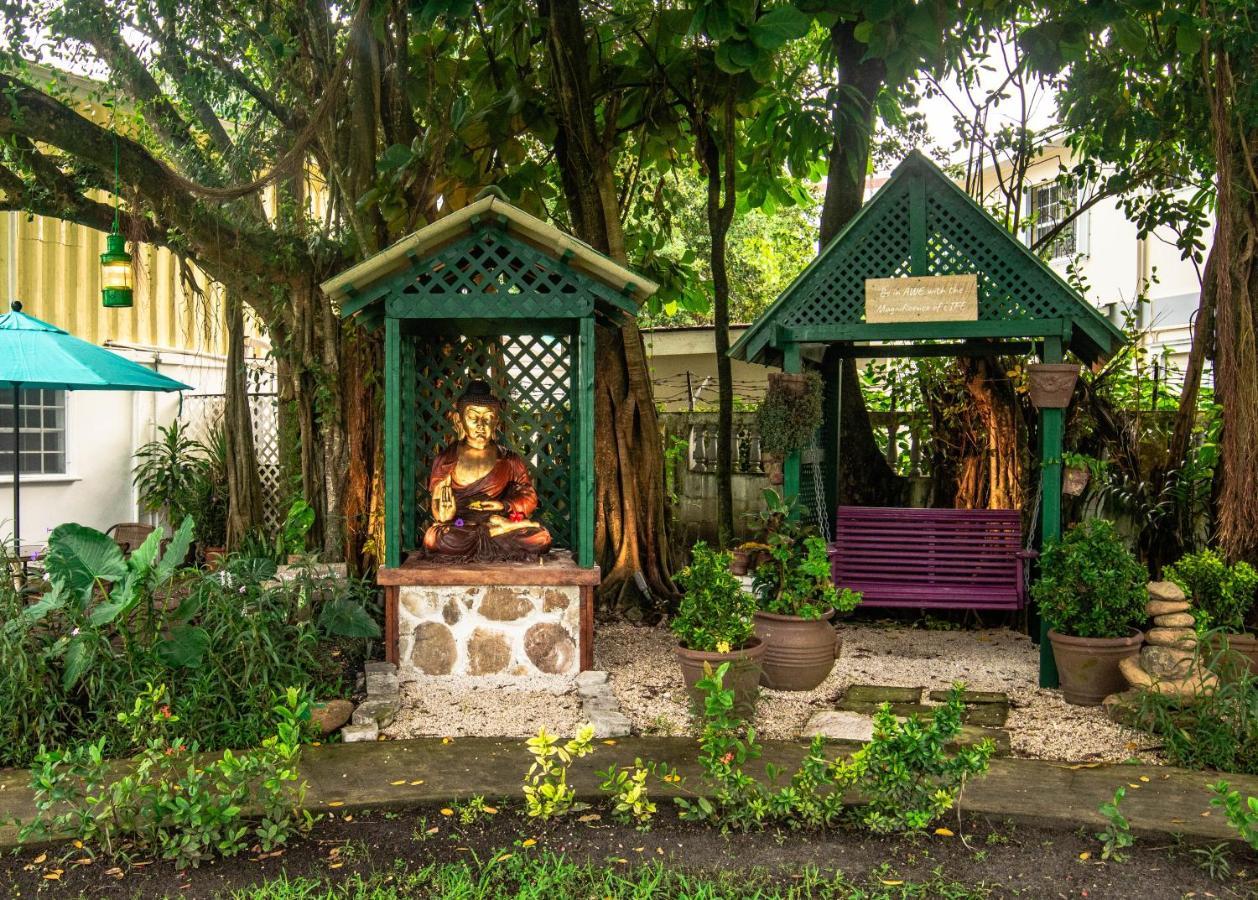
(790, 413)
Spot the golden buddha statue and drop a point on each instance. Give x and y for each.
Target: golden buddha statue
(482, 494)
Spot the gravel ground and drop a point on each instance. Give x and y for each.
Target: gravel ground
(1042, 725)
(500, 706)
(648, 686)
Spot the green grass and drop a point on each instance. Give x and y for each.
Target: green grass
(547, 876)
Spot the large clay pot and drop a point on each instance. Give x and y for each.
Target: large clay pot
(798, 653)
(1231, 654)
(1089, 666)
(1051, 385)
(743, 675)
(739, 562)
(1074, 480)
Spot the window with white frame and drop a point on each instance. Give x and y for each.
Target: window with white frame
(42, 428)
(1049, 204)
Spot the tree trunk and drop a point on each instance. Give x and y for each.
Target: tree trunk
(995, 406)
(864, 476)
(631, 527)
(1236, 323)
(244, 490)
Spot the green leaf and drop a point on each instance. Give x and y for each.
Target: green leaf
(79, 556)
(78, 659)
(347, 618)
(143, 557)
(185, 647)
(176, 552)
(104, 613)
(778, 26)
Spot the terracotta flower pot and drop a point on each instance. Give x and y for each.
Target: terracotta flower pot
(743, 675)
(772, 463)
(793, 384)
(213, 555)
(798, 653)
(739, 561)
(1089, 666)
(1074, 480)
(1051, 385)
(1231, 654)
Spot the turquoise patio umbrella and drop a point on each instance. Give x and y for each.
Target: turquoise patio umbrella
(34, 354)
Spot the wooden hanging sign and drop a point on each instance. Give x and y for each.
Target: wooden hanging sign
(933, 298)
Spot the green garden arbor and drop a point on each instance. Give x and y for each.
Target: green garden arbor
(922, 224)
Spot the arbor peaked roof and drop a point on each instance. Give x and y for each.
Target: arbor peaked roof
(921, 223)
(489, 260)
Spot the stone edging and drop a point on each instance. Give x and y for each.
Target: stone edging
(383, 701)
(599, 705)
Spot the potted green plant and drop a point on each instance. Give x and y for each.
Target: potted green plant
(1092, 593)
(208, 502)
(1223, 600)
(789, 416)
(797, 599)
(714, 625)
(166, 472)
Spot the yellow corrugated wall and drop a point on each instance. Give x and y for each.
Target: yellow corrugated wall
(53, 267)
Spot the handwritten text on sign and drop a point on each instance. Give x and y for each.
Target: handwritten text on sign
(934, 298)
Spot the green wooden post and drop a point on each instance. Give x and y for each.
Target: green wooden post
(830, 413)
(585, 443)
(791, 469)
(1051, 433)
(392, 442)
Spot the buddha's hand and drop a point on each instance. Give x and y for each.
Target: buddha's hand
(500, 525)
(487, 505)
(444, 506)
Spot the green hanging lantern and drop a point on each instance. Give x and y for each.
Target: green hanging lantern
(116, 286)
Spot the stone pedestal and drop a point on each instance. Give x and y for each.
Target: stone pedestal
(489, 618)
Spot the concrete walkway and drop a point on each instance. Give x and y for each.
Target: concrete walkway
(344, 777)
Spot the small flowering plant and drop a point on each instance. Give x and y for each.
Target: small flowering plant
(715, 613)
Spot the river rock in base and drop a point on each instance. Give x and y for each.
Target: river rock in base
(550, 648)
(435, 650)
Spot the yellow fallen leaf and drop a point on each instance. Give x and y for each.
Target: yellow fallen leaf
(890, 882)
(40, 859)
(85, 861)
(1085, 855)
(638, 849)
(447, 740)
(52, 876)
(504, 857)
(417, 781)
(115, 872)
(347, 818)
(1132, 784)
(528, 842)
(398, 782)
(1206, 813)
(316, 743)
(590, 817)
(609, 742)
(335, 865)
(1144, 778)
(620, 859)
(447, 811)
(491, 810)
(943, 832)
(78, 845)
(337, 803)
(433, 830)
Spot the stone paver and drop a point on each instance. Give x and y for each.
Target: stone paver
(881, 693)
(360, 776)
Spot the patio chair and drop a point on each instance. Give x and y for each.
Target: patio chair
(129, 535)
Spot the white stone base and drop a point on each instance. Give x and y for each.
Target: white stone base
(488, 630)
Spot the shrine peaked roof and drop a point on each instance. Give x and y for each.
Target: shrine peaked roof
(370, 280)
(921, 223)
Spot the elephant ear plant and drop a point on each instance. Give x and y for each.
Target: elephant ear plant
(93, 584)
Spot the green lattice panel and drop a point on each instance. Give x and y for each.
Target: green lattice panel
(534, 371)
(489, 274)
(835, 290)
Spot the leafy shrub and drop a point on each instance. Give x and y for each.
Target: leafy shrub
(1222, 595)
(546, 790)
(788, 421)
(1090, 584)
(1241, 815)
(1218, 729)
(631, 801)
(1116, 836)
(906, 775)
(715, 613)
(797, 580)
(223, 643)
(171, 802)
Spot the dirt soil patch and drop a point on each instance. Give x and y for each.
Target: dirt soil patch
(1000, 858)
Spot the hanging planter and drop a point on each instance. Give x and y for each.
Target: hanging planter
(792, 384)
(1074, 480)
(789, 416)
(1051, 385)
(773, 466)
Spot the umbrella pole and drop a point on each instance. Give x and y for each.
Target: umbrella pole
(17, 478)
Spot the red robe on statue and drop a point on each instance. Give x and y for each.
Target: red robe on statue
(467, 535)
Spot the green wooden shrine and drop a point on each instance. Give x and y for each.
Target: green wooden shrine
(920, 223)
(494, 293)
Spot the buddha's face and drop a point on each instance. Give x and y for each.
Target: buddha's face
(479, 424)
